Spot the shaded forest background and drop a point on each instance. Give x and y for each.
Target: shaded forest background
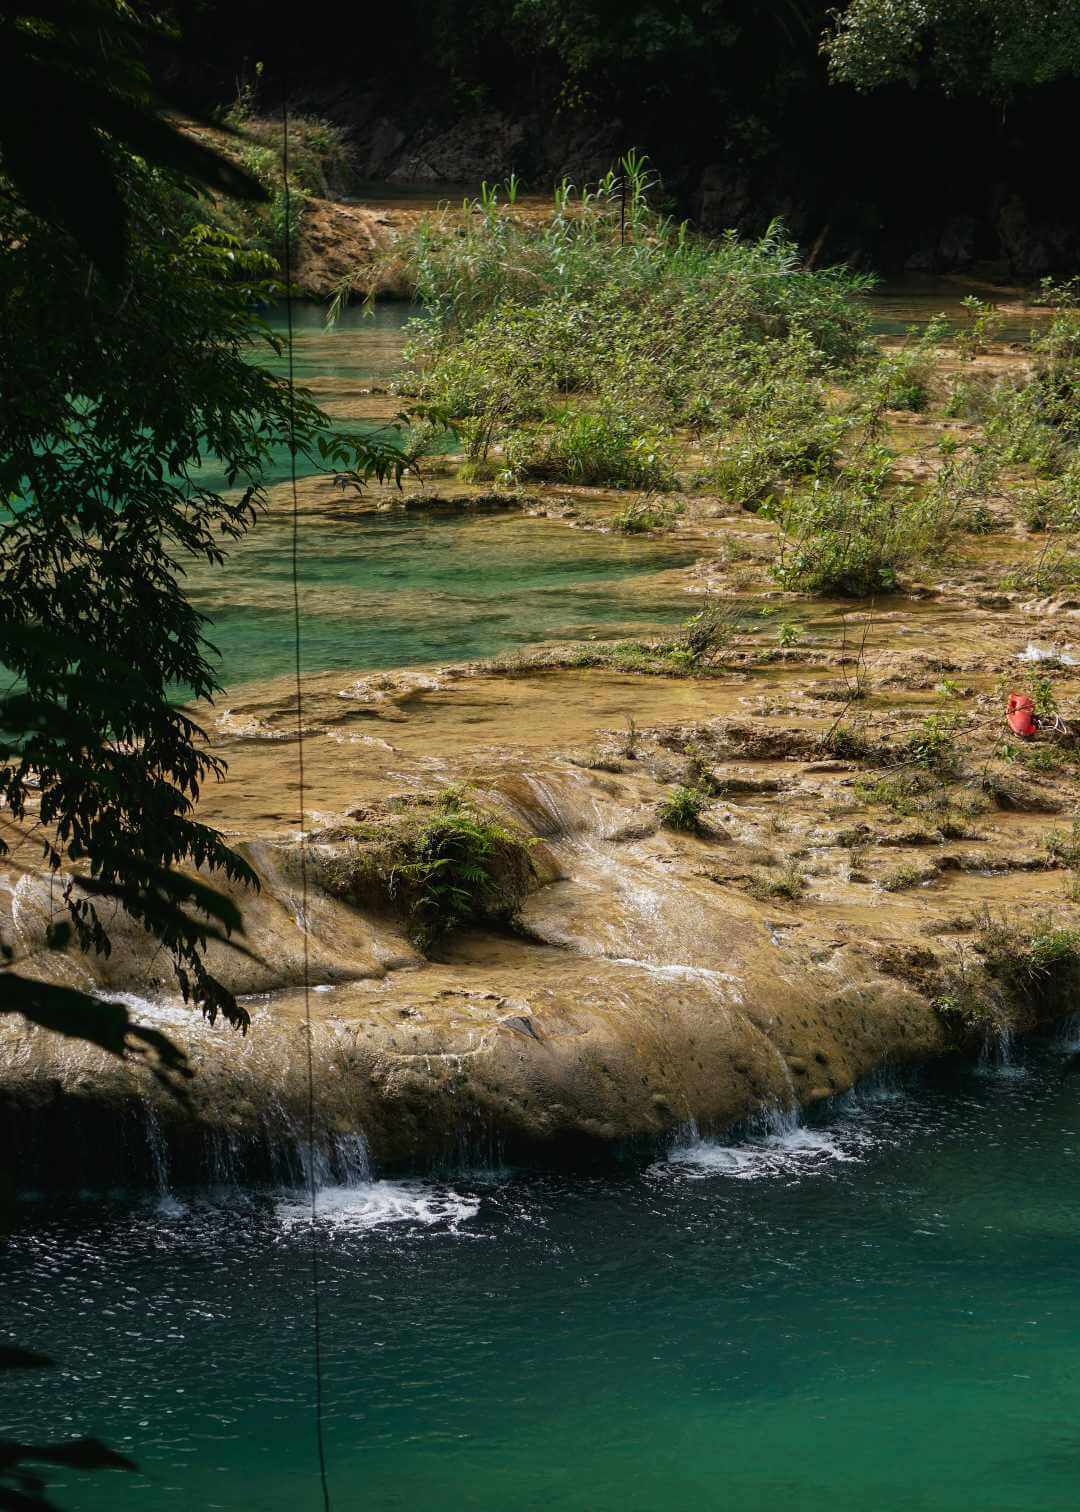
(731, 99)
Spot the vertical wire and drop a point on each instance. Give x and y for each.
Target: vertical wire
(316, 1312)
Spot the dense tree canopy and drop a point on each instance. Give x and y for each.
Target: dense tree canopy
(982, 46)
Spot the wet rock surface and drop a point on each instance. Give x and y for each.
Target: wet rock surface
(806, 930)
(644, 978)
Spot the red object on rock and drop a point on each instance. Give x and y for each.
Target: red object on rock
(1020, 712)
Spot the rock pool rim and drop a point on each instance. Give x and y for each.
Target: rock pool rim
(183, 1159)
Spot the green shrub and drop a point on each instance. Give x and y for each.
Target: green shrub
(447, 871)
(707, 634)
(1034, 963)
(851, 537)
(847, 743)
(682, 808)
(968, 1004)
(982, 327)
(901, 376)
(903, 877)
(607, 243)
(933, 743)
(590, 448)
(781, 428)
(1064, 846)
(900, 793)
(1050, 572)
(656, 329)
(443, 862)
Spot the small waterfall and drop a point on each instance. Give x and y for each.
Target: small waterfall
(224, 1158)
(1067, 1034)
(775, 1120)
(996, 1051)
(343, 1162)
(350, 1160)
(157, 1148)
(685, 1134)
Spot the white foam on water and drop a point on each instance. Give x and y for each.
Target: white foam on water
(676, 972)
(784, 1147)
(378, 1204)
(144, 1010)
(797, 1152)
(1034, 653)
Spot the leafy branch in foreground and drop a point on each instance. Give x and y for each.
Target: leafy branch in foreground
(114, 400)
(82, 57)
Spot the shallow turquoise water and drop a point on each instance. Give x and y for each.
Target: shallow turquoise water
(407, 590)
(393, 592)
(879, 1312)
(404, 590)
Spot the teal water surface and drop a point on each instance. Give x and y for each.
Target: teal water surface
(881, 1311)
(400, 590)
(396, 591)
(406, 590)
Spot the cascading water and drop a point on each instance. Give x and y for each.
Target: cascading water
(779, 1142)
(996, 1051)
(156, 1148)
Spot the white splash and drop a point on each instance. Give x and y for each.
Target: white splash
(1034, 653)
(783, 1148)
(378, 1204)
(144, 1010)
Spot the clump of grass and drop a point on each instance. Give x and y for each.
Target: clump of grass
(645, 515)
(981, 328)
(903, 375)
(1041, 690)
(708, 634)
(683, 807)
(853, 536)
(698, 773)
(967, 1002)
(1035, 962)
(789, 882)
(900, 793)
(649, 331)
(933, 744)
(904, 877)
(1063, 847)
(1053, 570)
(782, 429)
(848, 742)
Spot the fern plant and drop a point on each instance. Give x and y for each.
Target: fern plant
(447, 871)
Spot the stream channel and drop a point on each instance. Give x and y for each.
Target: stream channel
(877, 1310)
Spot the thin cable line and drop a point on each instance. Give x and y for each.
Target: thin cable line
(316, 1314)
